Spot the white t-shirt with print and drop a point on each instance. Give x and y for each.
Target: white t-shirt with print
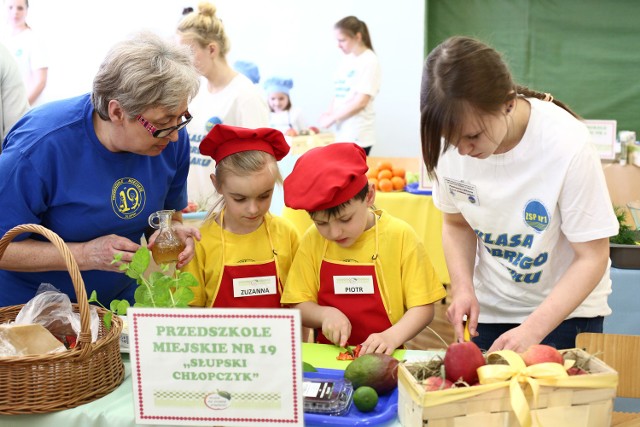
(526, 206)
(240, 103)
(357, 74)
(30, 53)
(284, 120)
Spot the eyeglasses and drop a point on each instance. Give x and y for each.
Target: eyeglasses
(163, 133)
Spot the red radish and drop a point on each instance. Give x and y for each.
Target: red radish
(541, 353)
(436, 383)
(576, 371)
(462, 361)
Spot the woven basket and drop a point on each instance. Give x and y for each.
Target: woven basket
(52, 382)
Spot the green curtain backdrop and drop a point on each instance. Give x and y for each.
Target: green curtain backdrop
(584, 52)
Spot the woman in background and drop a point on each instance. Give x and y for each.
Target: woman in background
(356, 84)
(225, 96)
(28, 50)
(13, 95)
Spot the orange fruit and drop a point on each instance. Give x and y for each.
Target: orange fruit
(397, 182)
(385, 185)
(385, 174)
(385, 165)
(374, 181)
(398, 172)
(372, 173)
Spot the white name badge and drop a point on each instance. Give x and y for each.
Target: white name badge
(462, 191)
(254, 286)
(352, 285)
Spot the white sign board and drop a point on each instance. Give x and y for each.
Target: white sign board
(222, 367)
(603, 136)
(425, 181)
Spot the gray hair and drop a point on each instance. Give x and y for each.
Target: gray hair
(145, 72)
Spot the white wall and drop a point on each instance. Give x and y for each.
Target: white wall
(284, 37)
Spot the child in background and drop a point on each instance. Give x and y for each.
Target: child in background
(283, 117)
(360, 275)
(249, 69)
(245, 253)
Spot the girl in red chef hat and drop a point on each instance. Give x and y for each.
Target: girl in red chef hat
(245, 253)
(360, 275)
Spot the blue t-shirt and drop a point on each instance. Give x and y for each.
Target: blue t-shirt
(55, 172)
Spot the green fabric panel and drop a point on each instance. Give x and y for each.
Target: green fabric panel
(501, 23)
(584, 52)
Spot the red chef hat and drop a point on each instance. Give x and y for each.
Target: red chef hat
(224, 140)
(326, 177)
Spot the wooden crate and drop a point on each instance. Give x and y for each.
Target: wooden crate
(556, 406)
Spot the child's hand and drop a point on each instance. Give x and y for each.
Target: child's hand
(336, 326)
(379, 343)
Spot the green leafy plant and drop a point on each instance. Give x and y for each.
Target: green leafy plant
(158, 289)
(626, 235)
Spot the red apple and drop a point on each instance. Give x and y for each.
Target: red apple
(191, 207)
(462, 360)
(436, 383)
(291, 132)
(314, 130)
(541, 353)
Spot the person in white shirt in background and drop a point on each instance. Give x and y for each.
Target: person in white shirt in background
(356, 84)
(226, 96)
(284, 117)
(13, 94)
(27, 48)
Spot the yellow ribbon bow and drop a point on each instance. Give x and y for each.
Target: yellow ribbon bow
(516, 372)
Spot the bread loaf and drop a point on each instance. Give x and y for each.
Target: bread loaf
(30, 339)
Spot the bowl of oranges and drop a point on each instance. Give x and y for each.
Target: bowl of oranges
(386, 177)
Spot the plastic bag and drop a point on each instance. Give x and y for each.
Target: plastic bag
(6, 349)
(53, 310)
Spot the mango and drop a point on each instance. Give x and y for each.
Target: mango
(376, 370)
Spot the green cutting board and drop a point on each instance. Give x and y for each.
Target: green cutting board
(324, 356)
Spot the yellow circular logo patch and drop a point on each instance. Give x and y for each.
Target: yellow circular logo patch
(128, 198)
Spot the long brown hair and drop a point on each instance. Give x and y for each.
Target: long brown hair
(463, 74)
(351, 26)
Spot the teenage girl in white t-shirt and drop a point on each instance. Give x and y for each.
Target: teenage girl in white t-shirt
(527, 213)
(356, 84)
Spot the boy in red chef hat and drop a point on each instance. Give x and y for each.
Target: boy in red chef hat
(360, 275)
(245, 253)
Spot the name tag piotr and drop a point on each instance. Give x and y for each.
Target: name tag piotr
(253, 286)
(353, 285)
